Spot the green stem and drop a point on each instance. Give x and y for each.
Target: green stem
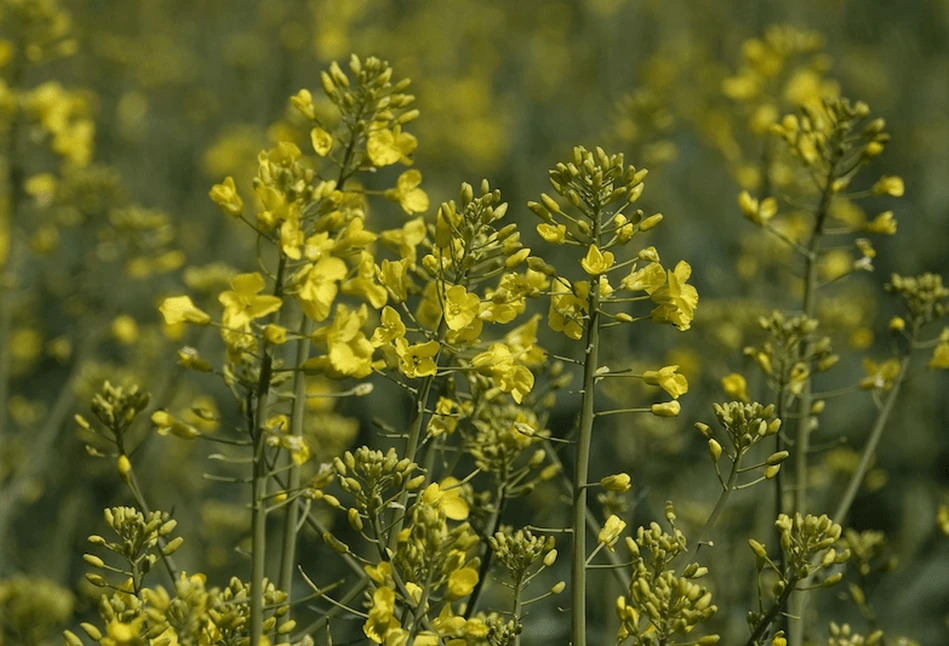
(712, 517)
(516, 614)
(297, 414)
(769, 618)
(843, 507)
(258, 521)
(578, 566)
(485, 568)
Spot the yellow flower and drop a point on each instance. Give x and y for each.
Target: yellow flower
(386, 147)
(364, 282)
(275, 334)
(668, 379)
(167, 423)
(618, 483)
(566, 311)
(392, 274)
(648, 279)
(244, 304)
(319, 286)
(180, 309)
(552, 233)
(349, 352)
(461, 307)
(391, 328)
(452, 500)
(611, 530)
(597, 262)
(322, 141)
(407, 238)
(735, 387)
(879, 376)
(940, 358)
(677, 300)
(417, 360)
(225, 196)
(408, 194)
(381, 618)
(462, 582)
(883, 224)
(666, 409)
(498, 361)
(888, 185)
(759, 213)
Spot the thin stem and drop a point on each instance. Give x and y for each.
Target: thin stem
(712, 517)
(298, 411)
(769, 618)
(485, 568)
(578, 565)
(258, 417)
(843, 507)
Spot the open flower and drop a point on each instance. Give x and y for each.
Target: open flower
(417, 360)
(461, 307)
(597, 262)
(668, 379)
(244, 303)
(677, 300)
(386, 147)
(408, 194)
(180, 309)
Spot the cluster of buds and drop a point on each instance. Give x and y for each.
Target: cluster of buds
(809, 544)
(116, 408)
(923, 296)
(142, 540)
(662, 604)
(823, 135)
(373, 478)
(745, 425)
(591, 182)
(468, 245)
(519, 551)
(782, 356)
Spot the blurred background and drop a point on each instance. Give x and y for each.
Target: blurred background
(180, 93)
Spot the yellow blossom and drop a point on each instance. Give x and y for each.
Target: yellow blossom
(552, 233)
(391, 327)
(408, 194)
(386, 147)
(417, 360)
(648, 279)
(322, 141)
(758, 212)
(244, 303)
(225, 196)
(364, 282)
(407, 238)
(511, 377)
(888, 185)
(180, 309)
(167, 423)
(319, 286)
(735, 387)
(883, 224)
(597, 262)
(460, 308)
(879, 376)
(452, 500)
(381, 619)
(940, 358)
(393, 275)
(566, 311)
(124, 329)
(668, 379)
(611, 530)
(461, 582)
(677, 300)
(666, 409)
(349, 352)
(618, 483)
